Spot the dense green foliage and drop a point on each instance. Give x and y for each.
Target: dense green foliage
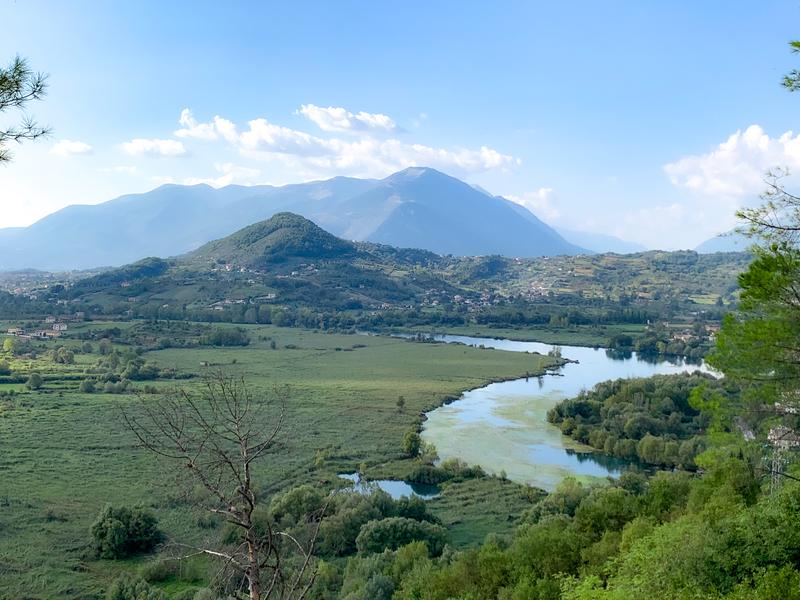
(123, 531)
(650, 420)
(129, 587)
(225, 337)
(394, 532)
(670, 536)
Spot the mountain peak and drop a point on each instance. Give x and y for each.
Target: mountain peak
(279, 239)
(412, 173)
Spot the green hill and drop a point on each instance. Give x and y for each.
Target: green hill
(284, 238)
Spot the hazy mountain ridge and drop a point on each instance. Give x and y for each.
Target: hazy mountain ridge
(730, 241)
(600, 242)
(417, 207)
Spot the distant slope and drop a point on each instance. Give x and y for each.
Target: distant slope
(418, 207)
(445, 215)
(726, 242)
(600, 242)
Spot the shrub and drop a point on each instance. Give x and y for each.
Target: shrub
(411, 443)
(34, 382)
(129, 587)
(394, 532)
(87, 386)
(122, 532)
(226, 337)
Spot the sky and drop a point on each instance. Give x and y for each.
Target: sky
(651, 121)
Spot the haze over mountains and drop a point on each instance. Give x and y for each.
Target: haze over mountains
(414, 208)
(725, 242)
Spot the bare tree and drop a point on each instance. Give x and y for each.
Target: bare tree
(216, 435)
(19, 85)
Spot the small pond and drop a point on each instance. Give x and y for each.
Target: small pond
(395, 488)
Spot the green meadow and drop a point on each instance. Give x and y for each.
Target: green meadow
(63, 454)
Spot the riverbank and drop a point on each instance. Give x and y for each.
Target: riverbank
(503, 426)
(579, 335)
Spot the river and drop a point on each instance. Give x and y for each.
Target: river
(503, 426)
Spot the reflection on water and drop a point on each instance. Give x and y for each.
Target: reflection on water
(503, 426)
(396, 489)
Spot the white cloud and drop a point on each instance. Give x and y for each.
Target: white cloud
(736, 167)
(338, 119)
(367, 156)
(540, 203)
(70, 148)
(201, 131)
(154, 147)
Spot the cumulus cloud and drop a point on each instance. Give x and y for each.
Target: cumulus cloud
(70, 148)
(736, 167)
(366, 156)
(540, 202)
(153, 147)
(338, 119)
(192, 129)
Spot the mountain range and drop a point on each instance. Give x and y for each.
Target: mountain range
(725, 242)
(414, 208)
(287, 260)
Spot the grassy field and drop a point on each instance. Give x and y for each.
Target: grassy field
(63, 455)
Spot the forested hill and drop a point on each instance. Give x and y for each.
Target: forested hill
(288, 261)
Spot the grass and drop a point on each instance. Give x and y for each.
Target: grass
(63, 455)
(473, 509)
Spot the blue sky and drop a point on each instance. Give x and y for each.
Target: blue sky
(652, 121)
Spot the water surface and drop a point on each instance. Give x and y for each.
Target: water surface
(503, 426)
(395, 488)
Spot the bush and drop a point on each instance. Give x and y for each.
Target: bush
(87, 386)
(129, 587)
(394, 532)
(411, 443)
(122, 532)
(34, 382)
(5, 368)
(226, 337)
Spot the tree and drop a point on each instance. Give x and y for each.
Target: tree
(758, 346)
(19, 85)
(217, 436)
(8, 345)
(34, 382)
(123, 532)
(791, 81)
(411, 443)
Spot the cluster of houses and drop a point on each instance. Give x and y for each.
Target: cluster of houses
(53, 327)
(223, 304)
(686, 335)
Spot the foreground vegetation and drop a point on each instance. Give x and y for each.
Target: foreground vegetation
(65, 454)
